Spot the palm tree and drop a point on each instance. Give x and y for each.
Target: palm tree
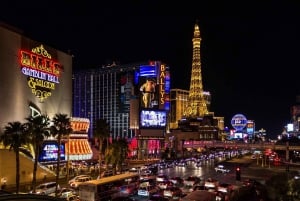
(124, 151)
(61, 128)
(15, 137)
(117, 153)
(38, 129)
(101, 133)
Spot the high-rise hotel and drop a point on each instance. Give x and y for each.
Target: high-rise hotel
(133, 99)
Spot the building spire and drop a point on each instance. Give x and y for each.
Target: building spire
(196, 104)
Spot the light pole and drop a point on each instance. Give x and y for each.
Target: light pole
(68, 158)
(287, 156)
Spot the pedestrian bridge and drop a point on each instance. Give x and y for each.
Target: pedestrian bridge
(240, 145)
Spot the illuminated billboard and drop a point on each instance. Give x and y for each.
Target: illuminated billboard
(49, 152)
(156, 92)
(153, 119)
(34, 78)
(42, 71)
(239, 122)
(164, 87)
(126, 81)
(148, 71)
(250, 127)
(148, 92)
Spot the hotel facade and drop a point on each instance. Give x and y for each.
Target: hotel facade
(34, 78)
(133, 99)
(37, 79)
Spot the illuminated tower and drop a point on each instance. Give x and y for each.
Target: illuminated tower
(197, 106)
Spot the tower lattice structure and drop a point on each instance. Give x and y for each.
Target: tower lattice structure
(197, 106)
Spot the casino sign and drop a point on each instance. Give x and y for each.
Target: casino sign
(239, 122)
(41, 70)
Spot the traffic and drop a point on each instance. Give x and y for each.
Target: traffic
(160, 180)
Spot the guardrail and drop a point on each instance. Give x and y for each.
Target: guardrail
(26, 197)
(235, 145)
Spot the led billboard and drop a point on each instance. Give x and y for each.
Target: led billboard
(148, 92)
(49, 152)
(153, 119)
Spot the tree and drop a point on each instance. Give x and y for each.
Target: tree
(117, 153)
(101, 133)
(61, 128)
(123, 152)
(38, 130)
(15, 137)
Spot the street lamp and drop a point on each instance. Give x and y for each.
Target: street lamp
(68, 158)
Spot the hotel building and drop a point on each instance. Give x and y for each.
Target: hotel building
(37, 79)
(132, 98)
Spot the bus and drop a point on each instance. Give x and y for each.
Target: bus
(109, 187)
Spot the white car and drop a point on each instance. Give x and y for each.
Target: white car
(46, 188)
(64, 192)
(76, 177)
(161, 178)
(79, 180)
(222, 169)
(147, 190)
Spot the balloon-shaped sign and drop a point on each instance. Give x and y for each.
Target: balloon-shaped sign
(239, 122)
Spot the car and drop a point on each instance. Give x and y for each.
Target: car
(134, 170)
(76, 177)
(71, 197)
(161, 178)
(64, 192)
(250, 182)
(164, 184)
(147, 174)
(211, 184)
(130, 189)
(225, 188)
(79, 180)
(144, 168)
(147, 182)
(191, 181)
(158, 197)
(198, 187)
(176, 181)
(222, 169)
(123, 198)
(106, 173)
(147, 190)
(172, 192)
(46, 188)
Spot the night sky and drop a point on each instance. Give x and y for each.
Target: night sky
(249, 51)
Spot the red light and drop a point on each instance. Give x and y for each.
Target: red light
(237, 169)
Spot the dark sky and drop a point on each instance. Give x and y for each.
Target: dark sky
(249, 51)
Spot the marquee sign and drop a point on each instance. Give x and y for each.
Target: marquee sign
(162, 77)
(42, 71)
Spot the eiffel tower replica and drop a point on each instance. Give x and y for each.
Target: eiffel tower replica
(197, 117)
(196, 103)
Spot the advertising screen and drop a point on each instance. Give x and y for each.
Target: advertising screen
(148, 71)
(49, 152)
(148, 92)
(126, 81)
(153, 119)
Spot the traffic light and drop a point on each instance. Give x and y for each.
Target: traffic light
(238, 174)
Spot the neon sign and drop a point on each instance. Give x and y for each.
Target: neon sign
(162, 77)
(43, 72)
